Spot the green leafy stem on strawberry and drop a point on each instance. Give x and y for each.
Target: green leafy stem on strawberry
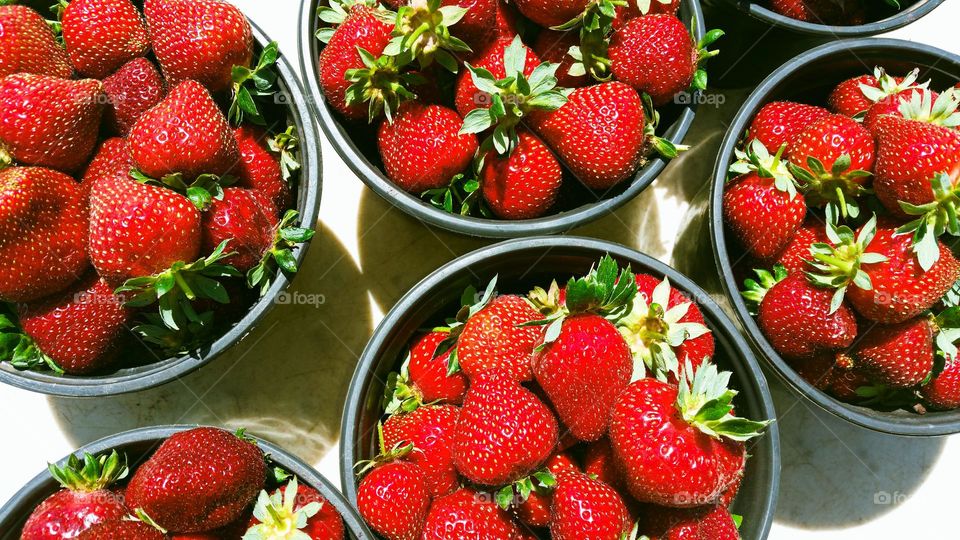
(251, 85)
(280, 254)
(17, 348)
(595, 24)
(542, 481)
(201, 190)
(837, 264)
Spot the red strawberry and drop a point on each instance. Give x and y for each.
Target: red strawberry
(830, 12)
(198, 480)
(656, 55)
(102, 35)
(598, 133)
(422, 149)
(706, 523)
(428, 373)
(111, 159)
(138, 229)
(586, 508)
(535, 510)
(943, 391)
(795, 256)
(393, 499)
(466, 513)
(258, 169)
(84, 500)
(492, 339)
(468, 97)
(187, 118)
(896, 356)
(28, 46)
(523, 185)
(244, 218)
(554, 47)
(364, 28)
(43, 240)
(673, 451)
(853, 97)
(188, 46)
(780, 122)
(844, 384)
(295, 507)
(430, 430)
(504, 431)
(601, 463)
(79, 328)
(478, 25)
(132, 90)
(49, 122)
(550, 14)
(122, 530)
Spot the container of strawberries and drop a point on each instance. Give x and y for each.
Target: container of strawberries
(160, 182)
(500, 119)
(180, 483)
(834, 229)
(836, 18)
(530, 385)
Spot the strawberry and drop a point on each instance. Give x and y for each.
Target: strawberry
(468, 97)
(493, 340)
(49, 122)
(122, 529)
(550, 14)
(28, 46)
(710, 522)
(680, 447)
(79, 328)
(554, 46)
(102, 35)
(599, 133)
(430, 429)
(600, 462)
(794, 257)
(466, 513)
(43, 240)
(853, 97)
(393, 499)
(523, 185)
(761, 206)
(83, 502)
(112, 158)
(246, 220)
(187, 46)
(422, 148)
(504, 431)
(478, 25)
(131, 90)
(187, 118)
(198, 480)
(896, 356)
(426, 377)
(534, 510)
(830, 12)
(780, 122)
(942, 392)
(586, 508)
(258, 169)
(295, 508)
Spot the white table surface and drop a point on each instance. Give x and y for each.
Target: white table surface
(287, 380)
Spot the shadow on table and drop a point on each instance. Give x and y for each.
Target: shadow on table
(286, 382)
(836, 474)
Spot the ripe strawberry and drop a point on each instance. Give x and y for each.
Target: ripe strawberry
(79, 328)
(780, 122)
(599, 133)
(84, 500)
(550, 14)
(943, 391)
(187, 118)
(393, 499)
(189, 47)
(102, 35)
(761, 206)
(28, 46)
(492, 339)
(534, 511)
(794, 257)
(138, 229)
(468, 97)
(466, 513)
(853, 97)
(830, 12)
(122, 529)
(896, 356)
(586, 508)
(710, 522)
(258, 169)
(845, 384)
(132, 90)
(674, 450)
(478, 25)
(600, 463)
(523, 185)
(422, 148)
(554, 46)
(294, 508)
(430, 429)
(426, 376)
(246, 220)
(43, 240)
(364, 28)
(112, 158)
(504, 431)
(198, 480)
(49, 122)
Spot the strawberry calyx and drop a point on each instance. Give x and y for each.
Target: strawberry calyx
(596, 25)
(252, 84)
(336, 12)
(652, 328)
(542, 481)
(887, 86)
(382, 83)
(201, 191)
(756, 158)
(93, 473)
(703, 54)
(422, 32)
(837, 263)
(941, 111)
(933, 219)
(280, 253)
(755, 289)
(399, 395)
(512, 98)
(461, 196)
(286, 145)
(471, 302)
(17, 348)
(838, 187)
(398, 452)
(279, 517)
(664, 147)
(705, 401)
(946, 327)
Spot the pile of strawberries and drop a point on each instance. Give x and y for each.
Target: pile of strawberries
(836, 12)
(589, 411)
(115, 210)
(474, 120)
(200, 484)
(854, 206)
